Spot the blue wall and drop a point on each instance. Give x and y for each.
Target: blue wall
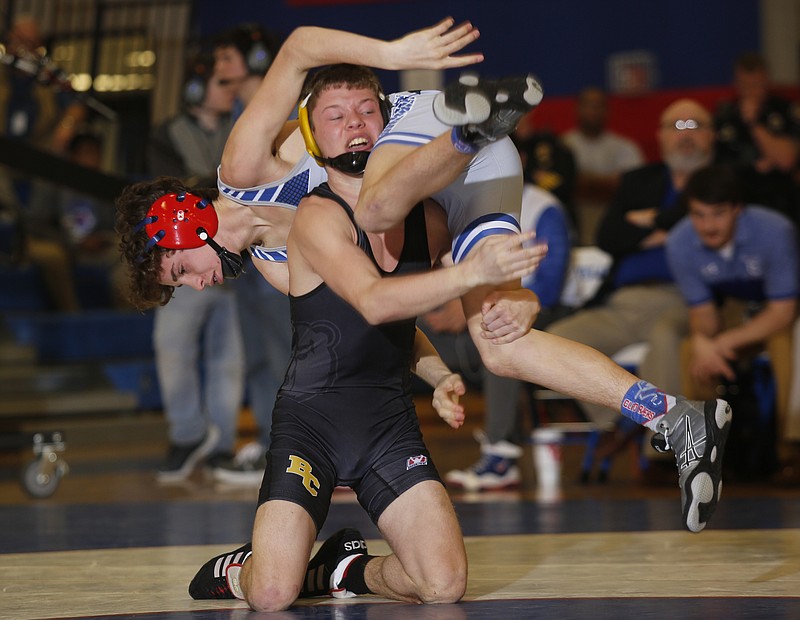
(564, 42)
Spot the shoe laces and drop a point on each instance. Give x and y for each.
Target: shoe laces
(481, 465)
(491, 463)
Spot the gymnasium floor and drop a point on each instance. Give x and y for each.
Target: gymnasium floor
(112, 543)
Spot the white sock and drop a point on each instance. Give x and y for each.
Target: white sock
(232, 576)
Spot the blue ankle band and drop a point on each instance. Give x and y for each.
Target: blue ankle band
(643, 401)
(461, 144)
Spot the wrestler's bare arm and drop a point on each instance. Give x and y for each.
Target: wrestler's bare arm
(252, 154)
(448, 386)
(321, 246)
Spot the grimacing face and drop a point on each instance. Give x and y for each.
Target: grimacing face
(346, 120)
(196, 267)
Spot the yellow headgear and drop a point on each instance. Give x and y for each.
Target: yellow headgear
(305, 130)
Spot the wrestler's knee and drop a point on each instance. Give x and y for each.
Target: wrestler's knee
(446, 586)
(497, 358)
(272, 596)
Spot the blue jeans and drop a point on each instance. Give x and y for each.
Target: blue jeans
(266, 325)
(200, 363)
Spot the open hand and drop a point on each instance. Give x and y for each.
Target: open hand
(433, 47)
(504, 258)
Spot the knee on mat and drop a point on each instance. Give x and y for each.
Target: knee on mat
(446, 587)
(272, 597)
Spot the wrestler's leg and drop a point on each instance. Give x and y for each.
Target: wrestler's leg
(269, 572)
(283, 536)
(556, 363)
(429, 563)
(398, 176)
(695, 431)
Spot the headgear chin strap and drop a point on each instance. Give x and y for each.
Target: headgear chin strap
(352, 162)
(232, 263)
(185, 221)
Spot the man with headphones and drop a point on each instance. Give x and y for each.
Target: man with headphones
(242, 55)
(201, 407)
(190, 145)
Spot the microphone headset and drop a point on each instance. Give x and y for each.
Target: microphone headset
(351, 162)
(185, 221)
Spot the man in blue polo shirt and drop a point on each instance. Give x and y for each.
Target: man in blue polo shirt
(726, 253)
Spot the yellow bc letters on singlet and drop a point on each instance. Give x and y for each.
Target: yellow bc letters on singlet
(303, 469)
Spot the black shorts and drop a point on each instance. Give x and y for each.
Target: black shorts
(309, 456)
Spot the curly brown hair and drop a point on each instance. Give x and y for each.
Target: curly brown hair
(144, 289)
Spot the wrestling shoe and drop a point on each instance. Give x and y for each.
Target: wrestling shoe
(328, 568)
(181, 460)
(219, 577)
(485, 110)
(496, 469)
(696, 432)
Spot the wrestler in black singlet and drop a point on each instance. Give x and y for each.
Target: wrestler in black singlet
(344, 415)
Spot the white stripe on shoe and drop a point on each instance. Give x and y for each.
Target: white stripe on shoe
(338, 575)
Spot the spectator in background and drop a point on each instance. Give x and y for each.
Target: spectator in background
(601, 156)
(32, 110)
(737, 267)
(760, 132)
(189, 145)
(501, 439)
(546, 162)
(242, 56)
(201, 406)
(37, 113)
(639, 301)
(67, 229)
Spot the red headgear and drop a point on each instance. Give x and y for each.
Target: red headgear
(175, 220)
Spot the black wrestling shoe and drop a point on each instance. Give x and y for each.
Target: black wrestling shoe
(696, 432)
(486, 110)
(327, 568)
(219, 577)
